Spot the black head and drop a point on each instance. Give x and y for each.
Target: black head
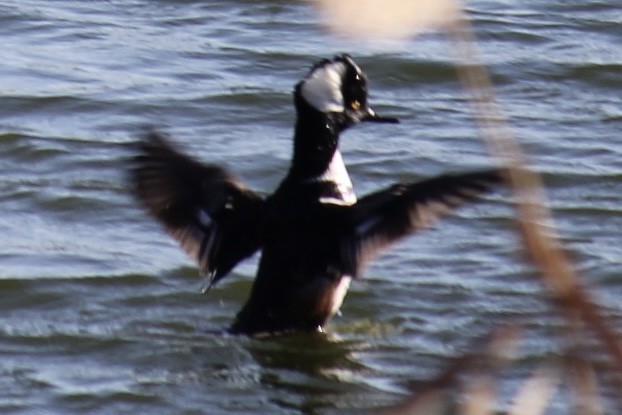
(338, 88)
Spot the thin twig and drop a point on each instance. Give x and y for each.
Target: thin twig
(543, 248)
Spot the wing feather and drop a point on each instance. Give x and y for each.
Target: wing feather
(212, 215)
(383, 217)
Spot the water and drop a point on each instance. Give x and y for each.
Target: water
(100, 312)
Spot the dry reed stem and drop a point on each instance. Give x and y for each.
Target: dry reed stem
(536, 392)
(586, 398)
(479, 395)
(542, 248)
(498, 350)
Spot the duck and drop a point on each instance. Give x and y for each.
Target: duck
(314, 234)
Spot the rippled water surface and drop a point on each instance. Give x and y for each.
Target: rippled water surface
(100, 312)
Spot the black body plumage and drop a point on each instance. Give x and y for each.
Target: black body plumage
(313, 234)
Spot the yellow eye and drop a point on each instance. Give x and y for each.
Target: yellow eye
(355, 105)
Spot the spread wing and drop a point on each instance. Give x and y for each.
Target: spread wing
(206, 209)
(382, 218)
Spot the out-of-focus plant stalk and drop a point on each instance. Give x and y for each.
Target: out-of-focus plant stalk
(533, 218)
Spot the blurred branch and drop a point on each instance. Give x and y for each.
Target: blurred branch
(489, 357)
(544, 251)
(536, 393)
(585, 387)
(533, 217)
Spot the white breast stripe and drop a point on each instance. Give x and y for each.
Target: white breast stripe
(345, 201)
(340, 293)
(336, 171)
(338, 174)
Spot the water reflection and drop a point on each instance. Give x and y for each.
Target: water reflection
(310, 371)
(310, 353)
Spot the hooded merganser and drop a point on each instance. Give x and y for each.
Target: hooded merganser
(313, 233)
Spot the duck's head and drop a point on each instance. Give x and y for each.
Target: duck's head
(337, 89)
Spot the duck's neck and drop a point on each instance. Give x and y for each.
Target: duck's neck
(317, 159)
(316, 141)
(317, 168)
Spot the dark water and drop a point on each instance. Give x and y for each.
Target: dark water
(100, 312)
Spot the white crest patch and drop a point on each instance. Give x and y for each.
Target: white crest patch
(322, 88)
